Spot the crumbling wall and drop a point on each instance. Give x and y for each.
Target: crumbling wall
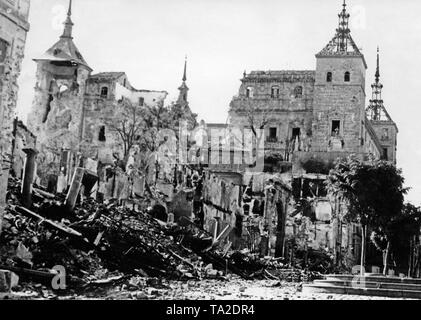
(278, 105)
(57, 113)
(22, 139)
(13, 30)
(98, 138)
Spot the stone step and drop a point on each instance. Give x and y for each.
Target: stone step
(390, 293)
(370, 285)
(380, 278)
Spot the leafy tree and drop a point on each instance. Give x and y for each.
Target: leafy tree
(374, 193)
(398, 232)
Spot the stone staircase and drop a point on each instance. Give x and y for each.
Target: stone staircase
(370, 285)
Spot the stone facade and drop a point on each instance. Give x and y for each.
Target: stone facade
(310, 119)
(317, 112)
(103, 93)
(13, 30)
(72, 107)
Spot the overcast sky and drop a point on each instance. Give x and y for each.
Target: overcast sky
(148, 39)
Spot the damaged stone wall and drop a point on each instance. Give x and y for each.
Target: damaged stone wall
(283, 101)
(57, 113)
(13, 29)
(22, 139)
(246, 211)
(103, 93)
(315, 221)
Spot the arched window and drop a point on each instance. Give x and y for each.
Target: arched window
(298, 92)
(347, 76)
(275, 92)
(104, 92)
(329, 77)
(250, 92)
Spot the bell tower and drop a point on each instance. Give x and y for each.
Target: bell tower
(57, 108)
(339, 98)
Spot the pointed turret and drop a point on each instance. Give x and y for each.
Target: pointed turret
(184, 89)
(65, 50)
(385, 128)
(376, 110)
(342, 43)
(68, 24)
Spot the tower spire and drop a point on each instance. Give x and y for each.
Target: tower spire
(184, 89)
(378, 66)
(68, 24)
(185, 70)
(376, 108)
(343, 29)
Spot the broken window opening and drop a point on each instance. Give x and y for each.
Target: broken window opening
(385, 156)
(336, 128)
(329, 77)
(347, 76)
(298, 92)
(250, 92)
(296, 133)
(104, 92)
(141, 101)
(275, 92)
(101, 135)
(273, 135)
(48, 108)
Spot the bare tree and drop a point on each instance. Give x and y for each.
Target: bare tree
(127, 124)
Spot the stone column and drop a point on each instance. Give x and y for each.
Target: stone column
(28, 176)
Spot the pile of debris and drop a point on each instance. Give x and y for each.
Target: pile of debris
(101, 244)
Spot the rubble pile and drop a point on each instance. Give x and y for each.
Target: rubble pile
(94, 237)
(107, 244)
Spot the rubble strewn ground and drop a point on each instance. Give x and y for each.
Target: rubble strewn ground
(115, 251)
(153, 289)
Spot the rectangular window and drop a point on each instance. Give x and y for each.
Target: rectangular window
(385, 135)
(101, 135)
(141, 101)
(273, 135)
(275, 92)
(385, 154)
(336, 128)
(296, 132)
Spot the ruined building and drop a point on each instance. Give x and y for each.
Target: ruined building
(13, 30)
(72, 108)
(308, 119)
